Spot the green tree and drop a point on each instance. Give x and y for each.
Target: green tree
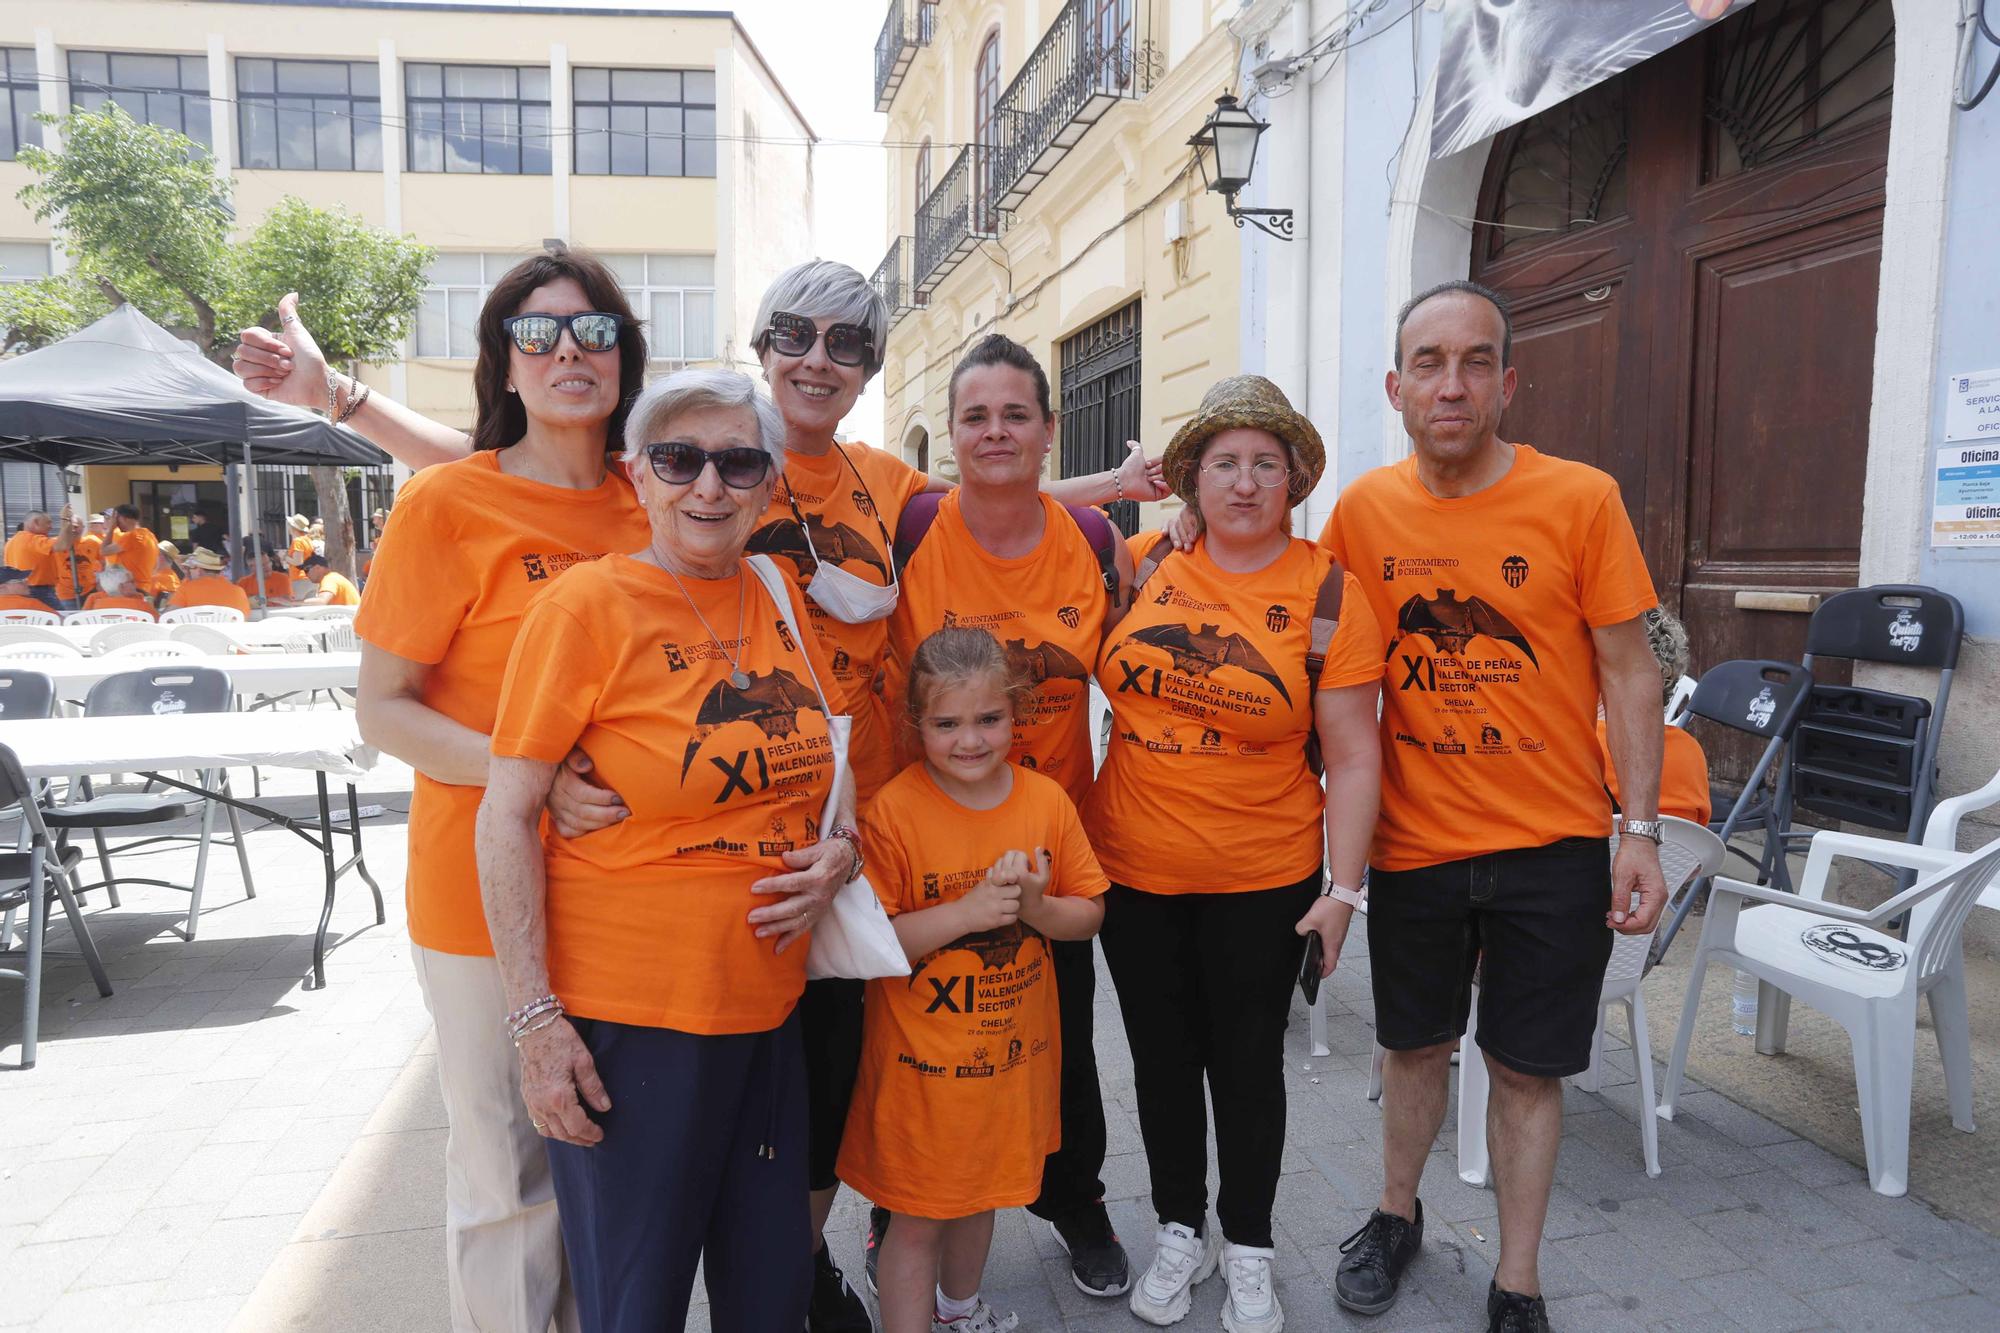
(143, 217)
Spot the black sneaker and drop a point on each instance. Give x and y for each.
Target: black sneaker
(878, 1227)
(834, 1307)
(1097, 1262)
(1511, 1312)
(1375, 1257)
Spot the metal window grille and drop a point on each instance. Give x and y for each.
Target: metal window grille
(1099, 370)
(309, 115)
(169, 91)
(645, 122)
(472, 119)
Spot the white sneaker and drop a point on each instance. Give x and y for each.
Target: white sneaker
(1180, 1259)
(981, 1320)
(1252, 1305)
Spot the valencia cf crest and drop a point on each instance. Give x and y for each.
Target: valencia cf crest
(1514, 569)
(1277, 618)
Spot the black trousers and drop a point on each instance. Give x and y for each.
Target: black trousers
(1205, 983)
(1070, 1173)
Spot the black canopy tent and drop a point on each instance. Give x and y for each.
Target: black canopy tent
(124, 390)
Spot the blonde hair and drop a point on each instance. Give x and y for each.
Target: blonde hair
(954, 656)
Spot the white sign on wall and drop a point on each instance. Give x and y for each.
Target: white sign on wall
(1972, 406)
(1966, 510)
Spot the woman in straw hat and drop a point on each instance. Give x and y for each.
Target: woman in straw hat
(1244, 664)
(208, 584)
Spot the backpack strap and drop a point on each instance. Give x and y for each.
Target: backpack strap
(1104, 540)
(1326, 619)
(918, 515)
(1156, 554)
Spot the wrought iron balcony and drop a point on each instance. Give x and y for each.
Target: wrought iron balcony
(909, 25)
(892, 278)
(957, 216)
(1092, 57)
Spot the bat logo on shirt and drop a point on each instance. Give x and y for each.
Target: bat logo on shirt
(835, 544)
(998, 948)
(771, 701)
(1045, 661)
(1201, 652)
(1451, 625)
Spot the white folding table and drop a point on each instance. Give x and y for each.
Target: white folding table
(317, 611)
(247, 634)
(250, 676)
(323, 743)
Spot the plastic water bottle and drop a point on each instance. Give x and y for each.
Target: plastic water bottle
(1743, 1005)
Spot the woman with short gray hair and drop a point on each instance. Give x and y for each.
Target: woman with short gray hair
(653, 1005)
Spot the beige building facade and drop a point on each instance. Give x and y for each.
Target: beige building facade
(664, 142)
(1041, 186)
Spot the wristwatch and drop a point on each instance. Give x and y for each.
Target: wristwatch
(1649, 829)
(1342, 894)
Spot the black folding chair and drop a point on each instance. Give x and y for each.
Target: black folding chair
(32, 878)
(164, 688)
(1763, 699)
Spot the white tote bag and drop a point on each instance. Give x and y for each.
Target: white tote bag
(854, 939)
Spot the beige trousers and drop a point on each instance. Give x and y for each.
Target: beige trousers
(503, 1247)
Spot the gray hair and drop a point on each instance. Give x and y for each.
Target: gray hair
(113, 578)
(826, 289)
(693, 390)
(1668, 638)
(1470, 288)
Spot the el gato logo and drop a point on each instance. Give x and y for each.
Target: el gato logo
(923, 1067)
(1514, 569)
(1166, 744)
(1070, 616)
(169, 703)
(1906, 632)
(1277, 618)
(1762, 709)
(978, 1066)
(1451, 744)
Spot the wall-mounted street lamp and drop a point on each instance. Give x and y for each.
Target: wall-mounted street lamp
(1231, 134)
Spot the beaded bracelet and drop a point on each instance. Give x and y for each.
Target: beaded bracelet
(518, 1020)
(534, 1025)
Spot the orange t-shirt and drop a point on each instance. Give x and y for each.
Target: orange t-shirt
(1207, 681)
(104, 601)
(276, 586)
(956, 1102)
(165, 581)
(468, 547)
(13, 601)
(1047, 610)
(34, 554)
(89, 559)
(343, 589)
(139, 553)
(852, 498)
(212, 590)
(647, 919)
(1488, 600)
(1684, 789)
(301, 549)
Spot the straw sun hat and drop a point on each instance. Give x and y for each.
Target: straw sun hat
(298, 523)
(1245, 401)
(203, 558)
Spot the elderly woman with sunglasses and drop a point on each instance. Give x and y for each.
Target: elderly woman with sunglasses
(658, 1029)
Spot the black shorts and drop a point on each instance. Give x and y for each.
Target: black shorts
(830, 1023)
(1537, 917)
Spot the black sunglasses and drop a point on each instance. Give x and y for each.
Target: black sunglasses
(794, 335)
(679, 463)
(537, 335)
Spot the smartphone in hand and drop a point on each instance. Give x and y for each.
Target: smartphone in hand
(1310, 969)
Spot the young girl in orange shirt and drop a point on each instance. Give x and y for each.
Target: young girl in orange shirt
(979, 863)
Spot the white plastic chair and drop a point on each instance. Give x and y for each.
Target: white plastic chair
(1843, 962)
(331, 613)
(25, 649)
(109, 615)
(1942, 830)
(202, 615)
(1689, 853)
(30, 618)
(210, 640)
(154, 649)
(114, 636)
(1677, 702)
(13, 634)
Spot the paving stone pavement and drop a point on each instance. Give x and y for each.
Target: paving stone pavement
(216, 1147)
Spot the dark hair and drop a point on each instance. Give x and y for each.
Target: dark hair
(500, 419)
(127, 511)
(997, 349)
(1484, 293)
(954, 656)
(316, 559)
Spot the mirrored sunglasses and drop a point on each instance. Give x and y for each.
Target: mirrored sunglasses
(537, 335)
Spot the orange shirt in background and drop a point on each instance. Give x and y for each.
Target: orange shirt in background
(301, 548)
(211, 590)
(647, 919)
(276, 586)
(956, 1102)
(165, 581)
(34, 554)
(89, 559)
(14, 601)
(852, 498)
(1047, 610)
(104, 601)
(465, 550)
(1684, 791)
(1488, 600)
(343, 589)
(139, 554)
(1205, 786)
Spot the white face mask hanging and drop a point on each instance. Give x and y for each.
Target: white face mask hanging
(849, 598)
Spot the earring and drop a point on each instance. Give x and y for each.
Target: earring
(510, 388)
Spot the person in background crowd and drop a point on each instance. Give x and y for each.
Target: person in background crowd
(116, 591)
(657, 1017)
(1684, 789)
(167, 572)
(277, 582)
(980, 864)
(32, 550)
(317, 535)
(79, 555)
(1257, 662)
(208, 584)
(14, 592)
(335, 588)
(1513, 592)
(301, 541)
(133, 547)
(205, 529)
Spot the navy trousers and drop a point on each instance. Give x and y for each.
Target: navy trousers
(703, 1161)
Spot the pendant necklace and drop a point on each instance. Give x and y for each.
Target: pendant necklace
(737, 678)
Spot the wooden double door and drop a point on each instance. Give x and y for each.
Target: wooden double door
(1692, 252)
